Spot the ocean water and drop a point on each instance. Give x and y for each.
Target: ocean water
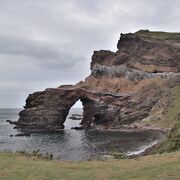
(72, 145)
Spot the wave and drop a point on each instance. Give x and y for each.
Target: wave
(142, 149)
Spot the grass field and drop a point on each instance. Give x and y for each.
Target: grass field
(159, 34)
(160, 167)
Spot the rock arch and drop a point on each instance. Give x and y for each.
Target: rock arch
(47, 110)
(131, 69)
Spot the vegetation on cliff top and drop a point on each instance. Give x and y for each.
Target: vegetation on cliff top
(19, 167)
(159, 34)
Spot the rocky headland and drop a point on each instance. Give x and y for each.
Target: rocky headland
(129, 88)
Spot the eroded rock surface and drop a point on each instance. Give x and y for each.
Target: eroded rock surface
(123, 86)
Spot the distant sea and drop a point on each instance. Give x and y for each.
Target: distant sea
(69, 144)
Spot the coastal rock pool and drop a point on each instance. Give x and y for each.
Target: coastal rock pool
(72, 145)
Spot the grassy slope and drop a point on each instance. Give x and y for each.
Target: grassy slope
(159, 34)
(18, 167)
(172, 143)
(171, 120)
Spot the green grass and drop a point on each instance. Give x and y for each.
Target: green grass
(159, 34)
(171, 117)
(19, 167)
(172, 142)
(171, 120)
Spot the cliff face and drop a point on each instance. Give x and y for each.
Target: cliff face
(124, 86)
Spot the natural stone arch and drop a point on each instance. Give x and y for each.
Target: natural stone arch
(87, 108)
(88, 102)
(47, 110)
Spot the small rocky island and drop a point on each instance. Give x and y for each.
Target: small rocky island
(128, 87)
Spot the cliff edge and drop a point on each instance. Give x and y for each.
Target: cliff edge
(130, 87)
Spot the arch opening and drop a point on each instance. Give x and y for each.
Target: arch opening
(74, 116)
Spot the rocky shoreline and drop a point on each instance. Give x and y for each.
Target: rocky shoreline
(124, 88)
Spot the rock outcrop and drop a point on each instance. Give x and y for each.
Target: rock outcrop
(123, 86)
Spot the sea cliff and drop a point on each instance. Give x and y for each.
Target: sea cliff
(124, 89)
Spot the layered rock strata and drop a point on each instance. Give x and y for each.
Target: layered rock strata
(123, 86)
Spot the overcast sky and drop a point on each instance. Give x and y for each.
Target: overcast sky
(46, 43)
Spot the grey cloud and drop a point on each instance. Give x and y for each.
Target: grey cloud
(45, 43)
(42, 54)
(25, 46)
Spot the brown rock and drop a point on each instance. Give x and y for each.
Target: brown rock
(123, 86)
